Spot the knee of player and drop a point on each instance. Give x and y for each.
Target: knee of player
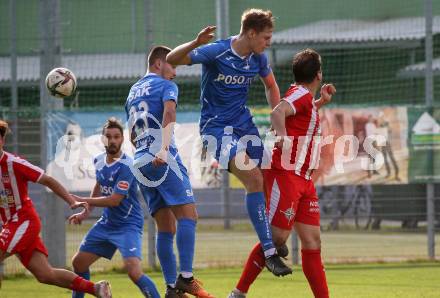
(311, 242)
(278, 241)
(134, 271)
(78, 265)
(254, 183)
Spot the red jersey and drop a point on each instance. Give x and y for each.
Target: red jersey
(305, 132)
(15, 174)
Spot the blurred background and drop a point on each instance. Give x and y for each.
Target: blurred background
(382, 55)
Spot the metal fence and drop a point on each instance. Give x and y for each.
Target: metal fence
(378, 53)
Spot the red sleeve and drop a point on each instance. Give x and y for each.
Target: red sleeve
(299, 104)
(27, 170)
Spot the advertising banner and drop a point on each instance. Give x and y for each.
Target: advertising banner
(375, 145)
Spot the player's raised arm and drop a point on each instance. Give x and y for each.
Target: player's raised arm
(180, 54)
(60, 191)
(272, 90)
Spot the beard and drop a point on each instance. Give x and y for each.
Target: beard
(112, 149)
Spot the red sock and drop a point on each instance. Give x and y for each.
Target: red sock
(315, 272)
(80, 284)
(254, 265)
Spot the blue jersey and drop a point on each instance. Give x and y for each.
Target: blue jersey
(226, 78)
(117, 177)
(144, 108)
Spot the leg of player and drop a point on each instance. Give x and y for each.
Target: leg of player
(186, 216)
(81, 263)
(144, 283)
(313, 268)
(45, 273)
(166, 229)
(3, 256)
(255, 263)
(256, 206)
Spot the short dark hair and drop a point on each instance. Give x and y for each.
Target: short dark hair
(306, 65)
(4, 128)
(112, 122)
(256, 19)
(158, 52)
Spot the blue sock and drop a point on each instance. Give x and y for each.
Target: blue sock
(186, 239)
(167, 258)
(256, 207)
(147, 287)
(85, 275)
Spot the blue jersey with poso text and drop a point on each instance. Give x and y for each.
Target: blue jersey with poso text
(144, 108)
(226, 78)
(118, 178)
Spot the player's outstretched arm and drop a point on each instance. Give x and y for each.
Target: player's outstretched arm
(327, 91)
(60, 191)
(272, 90)
(180, 54)
(104, 201)
(77, 218)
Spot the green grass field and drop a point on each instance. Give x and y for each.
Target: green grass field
(372, 280)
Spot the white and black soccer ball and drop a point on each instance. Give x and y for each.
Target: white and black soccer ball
(61, 82)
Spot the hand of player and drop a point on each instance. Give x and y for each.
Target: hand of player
(205, 35)
(77, 218)
(79, 203)
(283, 142)
(160, 158)
(327, 91)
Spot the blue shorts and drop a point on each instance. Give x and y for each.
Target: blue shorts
(103, 241)
(166, 185)
(224, 142)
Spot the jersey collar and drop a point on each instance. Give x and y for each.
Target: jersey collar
(235, 53)
(150, 73)
(113, 162)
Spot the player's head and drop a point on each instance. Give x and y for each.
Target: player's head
(157, 62)
(112, 135)
(4, 129)
(257, 26)
(306, 67)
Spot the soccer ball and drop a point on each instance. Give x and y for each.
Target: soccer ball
(61, 82)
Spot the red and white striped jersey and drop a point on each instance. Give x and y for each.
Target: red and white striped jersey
(304, 130)
(15, 174)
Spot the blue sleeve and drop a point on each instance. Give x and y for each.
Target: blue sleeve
(265, 69)
(124, 181)
(207, 53)
(170, 92)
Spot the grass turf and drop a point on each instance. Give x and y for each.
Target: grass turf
(354, 280)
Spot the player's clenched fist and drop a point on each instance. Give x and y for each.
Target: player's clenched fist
(327, 90)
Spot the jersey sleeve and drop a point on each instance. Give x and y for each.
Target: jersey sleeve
(299, 104)
(265, 68)
(124, 181)
(170, 92)
(27, 170)
(207, 53)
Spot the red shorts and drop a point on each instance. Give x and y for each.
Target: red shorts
(290, 198)
(22, 236)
